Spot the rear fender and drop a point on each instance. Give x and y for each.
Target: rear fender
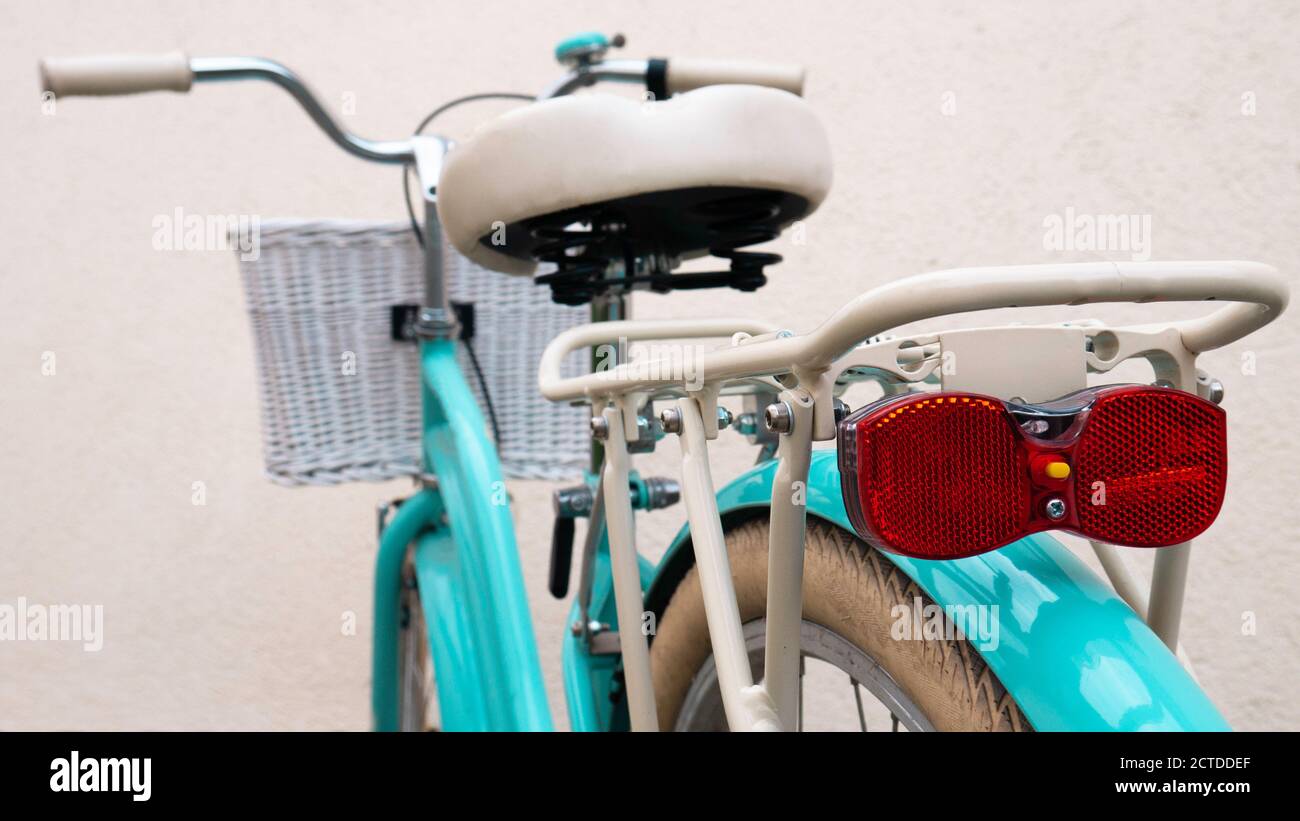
(1070, 651)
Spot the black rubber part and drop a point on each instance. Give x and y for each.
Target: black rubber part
(561, 556)
(656, 78)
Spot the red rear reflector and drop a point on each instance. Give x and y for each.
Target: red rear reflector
(922, 460)
(1152, 467)
(942, 476)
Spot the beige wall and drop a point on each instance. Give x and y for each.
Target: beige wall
(228, 615)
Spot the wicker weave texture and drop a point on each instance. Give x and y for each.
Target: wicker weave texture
(340, 399)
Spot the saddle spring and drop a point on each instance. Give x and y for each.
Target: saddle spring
(739, 222)
(582, 256)
(578, 277)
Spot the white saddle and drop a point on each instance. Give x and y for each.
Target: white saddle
(658, 162)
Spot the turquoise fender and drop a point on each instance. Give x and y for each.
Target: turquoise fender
(1072, 654)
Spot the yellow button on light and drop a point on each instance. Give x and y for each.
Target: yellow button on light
(1058, 470)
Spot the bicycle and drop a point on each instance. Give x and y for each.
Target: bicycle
(940, 493)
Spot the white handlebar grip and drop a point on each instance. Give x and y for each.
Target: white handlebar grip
(684, 75)
(116, 74)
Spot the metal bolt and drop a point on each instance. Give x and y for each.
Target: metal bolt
(648, 432)
(1035, 427)
(1216, 391)
(1055, 509)
(1210, 388)
(572, 502)
(671, 419)
(747, 424)
(600, 427)
(724, 418)
(778, 418)
(841, 410)
(661, 492)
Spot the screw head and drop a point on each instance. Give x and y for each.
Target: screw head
(600, 427)
(724, 418)
(1216, 391)
(778, 418)
(1055, 509)
(842, 410)
(671, 419)
(1035, 427)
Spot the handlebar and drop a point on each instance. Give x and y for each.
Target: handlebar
(134, 74)
(227, 69)
(1262, 294)
(116, 74)
(686, 74)
(664, 77)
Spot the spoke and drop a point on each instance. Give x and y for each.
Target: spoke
(857, 696)
(894, 718)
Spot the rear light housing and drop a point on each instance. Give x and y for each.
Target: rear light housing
(948, 475)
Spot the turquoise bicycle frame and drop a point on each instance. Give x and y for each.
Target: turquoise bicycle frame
(1072, 654)
(480, 632)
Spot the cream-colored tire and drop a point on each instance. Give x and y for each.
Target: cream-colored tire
(849, 590)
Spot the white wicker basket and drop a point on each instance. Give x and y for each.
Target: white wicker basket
(341, 399)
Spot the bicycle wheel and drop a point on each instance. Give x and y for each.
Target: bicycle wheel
(418, 695)
(854, 675)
